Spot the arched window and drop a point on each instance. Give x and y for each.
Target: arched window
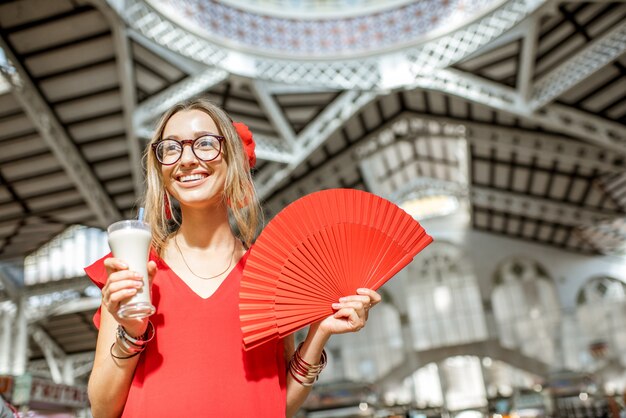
(601, 313)
(526, 308)
(444, 302)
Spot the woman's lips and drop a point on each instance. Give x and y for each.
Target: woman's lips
(191, 180)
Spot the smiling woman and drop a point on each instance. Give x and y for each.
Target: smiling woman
(191, 348)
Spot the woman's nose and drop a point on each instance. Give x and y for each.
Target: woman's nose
(187, 157)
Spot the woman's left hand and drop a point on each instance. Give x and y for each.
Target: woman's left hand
(352, 312)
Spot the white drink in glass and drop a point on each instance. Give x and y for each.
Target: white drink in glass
(130, 242)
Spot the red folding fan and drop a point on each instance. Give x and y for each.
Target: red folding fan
(318, 249)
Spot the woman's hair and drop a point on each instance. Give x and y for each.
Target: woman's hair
(239, 192)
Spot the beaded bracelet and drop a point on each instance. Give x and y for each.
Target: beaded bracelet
(309, 373)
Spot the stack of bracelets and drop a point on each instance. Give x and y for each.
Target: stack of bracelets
(131, 346)
(304, 373)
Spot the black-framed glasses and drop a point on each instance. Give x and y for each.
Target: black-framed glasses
(206, 148)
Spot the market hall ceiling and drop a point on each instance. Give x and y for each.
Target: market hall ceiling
(534, 89)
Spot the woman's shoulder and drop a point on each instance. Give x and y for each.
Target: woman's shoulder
(97, 272)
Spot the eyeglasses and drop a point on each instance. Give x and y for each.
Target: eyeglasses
(205, 148)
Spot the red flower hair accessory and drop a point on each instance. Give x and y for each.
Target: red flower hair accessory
(247, 141)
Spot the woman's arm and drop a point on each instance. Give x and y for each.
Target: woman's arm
(311, 351)
(111, 378)
(350, 316)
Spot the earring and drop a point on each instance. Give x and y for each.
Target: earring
(166, 204)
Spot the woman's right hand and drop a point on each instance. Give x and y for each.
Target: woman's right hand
(122, 284)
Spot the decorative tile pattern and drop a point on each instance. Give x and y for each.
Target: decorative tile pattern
(315, 7)
(368, 33)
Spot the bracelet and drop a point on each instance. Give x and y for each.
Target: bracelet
(140, 341)
(127, 347)
(122, 357)
(309, 373)
(130, 345)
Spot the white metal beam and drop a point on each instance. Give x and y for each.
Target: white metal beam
(78, 284)
(527, 60)
(271, 149)
(5, 86)
(83, 304)
(521, 142)
(273, 111)
(55, 356)
(615, 185)
(7, 318)
(282, 88)
(128, 90)
(263, 177)
(185, 64)
(10, 287)
(532, 207)
(74, 306)
(608, 237)
(317, 133)
(55, 136)
(43, 339)
(590, 59)
(82, 364)
(6, 327)
(472, 88)
(506, 38)
(576, 123)
(20, 343)
(191, 86)
(82, 369)
(583, 125)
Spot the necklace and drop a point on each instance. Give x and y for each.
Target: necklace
(232, 256)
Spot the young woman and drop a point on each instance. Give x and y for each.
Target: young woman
(188, 359)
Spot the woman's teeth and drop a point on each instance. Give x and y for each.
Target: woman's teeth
(191, 177)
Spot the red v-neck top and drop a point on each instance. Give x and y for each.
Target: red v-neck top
(196, 365)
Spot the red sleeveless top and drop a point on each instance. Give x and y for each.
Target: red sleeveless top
(196, 365)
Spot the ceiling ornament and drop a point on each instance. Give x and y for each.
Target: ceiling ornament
(300, 35)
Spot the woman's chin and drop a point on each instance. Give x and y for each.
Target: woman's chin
(201, 200)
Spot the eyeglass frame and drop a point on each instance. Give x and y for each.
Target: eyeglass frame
(190, 142)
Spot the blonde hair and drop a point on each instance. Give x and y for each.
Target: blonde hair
(239, 191)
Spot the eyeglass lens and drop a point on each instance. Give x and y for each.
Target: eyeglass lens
(205, 148)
